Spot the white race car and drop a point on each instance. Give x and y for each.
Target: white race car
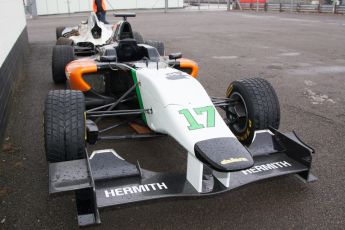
(87, 34)
(86, 39)
(90, 34)
(160, 96)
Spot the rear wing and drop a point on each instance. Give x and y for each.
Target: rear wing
(125, 15)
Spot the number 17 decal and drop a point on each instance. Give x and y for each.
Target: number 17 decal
(193, 124)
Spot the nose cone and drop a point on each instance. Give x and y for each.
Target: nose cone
(223, 154)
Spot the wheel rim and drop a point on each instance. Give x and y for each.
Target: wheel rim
(237, 113)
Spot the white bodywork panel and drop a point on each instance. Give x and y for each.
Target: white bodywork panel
(166, 97)
(194, 172)
(85, 34)
(167, 91)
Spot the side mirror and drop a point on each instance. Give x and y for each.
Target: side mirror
(175, 56)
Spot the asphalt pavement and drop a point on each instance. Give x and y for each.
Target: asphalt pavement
(302, 55)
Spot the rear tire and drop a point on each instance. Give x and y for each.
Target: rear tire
(138, 37)
(158, 45)
(62, 55)
(257, 108)
(64, 41)
(64, 125)
(59, 31)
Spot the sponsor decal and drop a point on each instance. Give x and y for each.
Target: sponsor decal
(233, 160)
(266, 167)
(135, 189)
(176, 76)
(229, 90)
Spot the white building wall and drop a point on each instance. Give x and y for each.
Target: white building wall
(12, 22)
(13, 47)
(45, 7)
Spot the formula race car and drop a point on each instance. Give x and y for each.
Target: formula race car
(86, 36)
(161, 96)
(92, 30)
(86, 39)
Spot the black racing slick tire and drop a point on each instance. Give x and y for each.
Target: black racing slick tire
(62, 55)
(138, 37)
(64, 125)
(59, 31)
(254, 106)
(64, 41)
(158, 45)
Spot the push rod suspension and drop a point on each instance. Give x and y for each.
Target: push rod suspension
(112, 105)
(130, 136)
(118, 111)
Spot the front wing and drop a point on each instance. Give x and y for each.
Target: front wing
(105, 179)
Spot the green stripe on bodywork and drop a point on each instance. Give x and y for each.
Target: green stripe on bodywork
(137, 90)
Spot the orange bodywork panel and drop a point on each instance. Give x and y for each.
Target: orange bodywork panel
(75, 71)
(189, 64)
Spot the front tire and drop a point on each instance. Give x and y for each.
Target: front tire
(64, 125)
(64, 41)
(58, 31)
(62, 55)
(256, 107)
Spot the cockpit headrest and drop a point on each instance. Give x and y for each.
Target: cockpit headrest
(128, 50)
(96, 31)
